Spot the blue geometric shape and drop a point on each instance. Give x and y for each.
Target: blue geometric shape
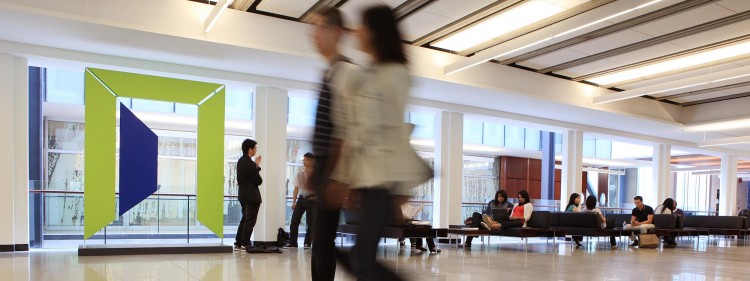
(138, 160)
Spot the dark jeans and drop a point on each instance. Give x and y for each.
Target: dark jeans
(476, 219)
(511, 224)
(418, 242)
(304, 206)
(249, 217)
(375, 214)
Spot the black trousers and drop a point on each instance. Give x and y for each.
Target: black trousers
(376, 209)
(418, 242)
(511, 224)
(304, 206)
(476, 219)
(247, 223)
(324, 254)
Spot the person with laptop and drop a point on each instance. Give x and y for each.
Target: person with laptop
(520, 215)
(499, 203)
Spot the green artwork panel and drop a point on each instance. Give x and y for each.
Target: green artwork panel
(210, 177)
(102, 88)
(99, 157)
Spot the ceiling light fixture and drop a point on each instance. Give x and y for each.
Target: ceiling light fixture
(484, 57)
(715, 77)
(216, 12)
(504, 23)
(697, 59)
(725, 141)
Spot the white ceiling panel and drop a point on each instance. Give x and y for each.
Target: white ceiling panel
(716, 35)
(456, 9)
(682, 75)
(735, 5)
(587, 68)
(290, 8)
(701, 97)
(552, 58)
(611, 41)
(352, 9)
(421, 23)
(683, 20)
(624, 59)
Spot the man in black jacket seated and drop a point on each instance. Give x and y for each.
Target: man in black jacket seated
(248, 180)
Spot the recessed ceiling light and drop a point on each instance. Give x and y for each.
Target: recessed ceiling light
(504, 23)
(697, 59)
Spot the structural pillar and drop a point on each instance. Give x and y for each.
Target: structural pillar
(548, 166)
(662, 174)
(572, 165)
(449, 170)
(728, 186)
(270, 133)
(14, 148)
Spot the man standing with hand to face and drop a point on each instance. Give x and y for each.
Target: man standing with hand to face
(248, 180)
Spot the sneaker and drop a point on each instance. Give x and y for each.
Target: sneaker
(435, 251)
(243, 249)
(402, 244)
(307, 246)
(421, 248)
(237, 247)
(485, 225)
(487, 219)
(614, 247)
(635, 244)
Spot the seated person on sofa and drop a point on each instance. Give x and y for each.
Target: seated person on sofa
(667, 208)
(500, 202)
(591, 207)
(519, 216)
(573, 206)
(641, 219)
(678, 211)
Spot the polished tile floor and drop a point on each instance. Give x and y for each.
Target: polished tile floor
(702, 259)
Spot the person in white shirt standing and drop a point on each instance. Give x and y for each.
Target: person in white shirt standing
(303, 203)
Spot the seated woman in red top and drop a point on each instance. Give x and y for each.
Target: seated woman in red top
(519, 216)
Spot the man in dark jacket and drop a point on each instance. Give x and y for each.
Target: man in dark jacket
(248, 179)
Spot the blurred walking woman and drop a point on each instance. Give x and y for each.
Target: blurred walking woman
(377, 161)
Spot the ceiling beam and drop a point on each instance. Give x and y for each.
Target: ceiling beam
(454, 26)
(623, 25)
(664, 58)
(242, 5)
(651, 42)
(319, 6)
(573, 25)
(716, 99)
(410, 7)
(725, 75)
(703, 91)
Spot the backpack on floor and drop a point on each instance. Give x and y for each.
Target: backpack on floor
(282, 238)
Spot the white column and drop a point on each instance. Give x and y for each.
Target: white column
(21, 155)
(662, 174)
(14, 167)
(728, 186)
(449, 150)
(270, 133)
(572, 165)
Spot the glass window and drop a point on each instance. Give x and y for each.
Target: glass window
(515, 137)
(589, 147)
(153, 106)
(239, 105)
(558, 143)
(533, 139)
(64, 86)
(603, 149)
(472, 131)
(302, 111)
(425, 125)
(480, 182)
(494, 134)
(188, 109)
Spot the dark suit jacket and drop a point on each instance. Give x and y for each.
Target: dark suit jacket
(248, 179)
